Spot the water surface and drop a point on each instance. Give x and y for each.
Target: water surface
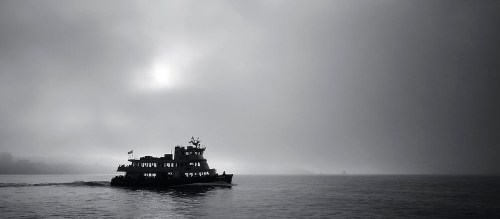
(317, 196)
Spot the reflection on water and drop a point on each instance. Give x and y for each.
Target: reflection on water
(180, 191)
(177, 202)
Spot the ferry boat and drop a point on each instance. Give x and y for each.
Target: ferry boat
(186, 166)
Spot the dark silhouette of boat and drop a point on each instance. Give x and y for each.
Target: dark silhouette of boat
(186, 166)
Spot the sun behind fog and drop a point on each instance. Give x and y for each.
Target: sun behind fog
(159, 76)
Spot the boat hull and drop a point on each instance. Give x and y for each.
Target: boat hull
(152, 182)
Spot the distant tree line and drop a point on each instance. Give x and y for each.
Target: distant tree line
(22, 166)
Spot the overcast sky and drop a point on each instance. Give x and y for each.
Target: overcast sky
(268, 86)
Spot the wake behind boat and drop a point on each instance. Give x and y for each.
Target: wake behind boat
(186, 166)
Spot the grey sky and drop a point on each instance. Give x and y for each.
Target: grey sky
(268, 86)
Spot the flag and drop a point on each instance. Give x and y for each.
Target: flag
(130, 152)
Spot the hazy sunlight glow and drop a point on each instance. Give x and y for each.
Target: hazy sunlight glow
(161, 76)
(166, 71)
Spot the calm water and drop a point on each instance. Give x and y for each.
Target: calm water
(342, 196)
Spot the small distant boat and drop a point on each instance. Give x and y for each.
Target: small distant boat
(344, 173)
(186, 166)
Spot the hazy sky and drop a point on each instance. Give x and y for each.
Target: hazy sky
(268, 86)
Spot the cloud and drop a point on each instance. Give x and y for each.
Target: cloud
(379, 87)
